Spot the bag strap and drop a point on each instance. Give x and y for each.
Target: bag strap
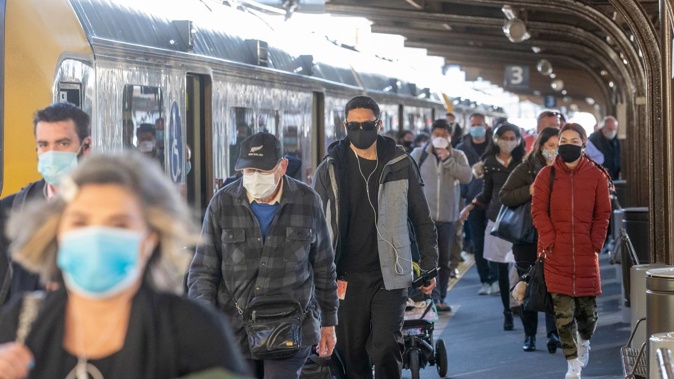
(30, 307)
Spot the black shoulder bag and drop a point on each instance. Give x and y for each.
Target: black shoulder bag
(274, 326)
(536, 297)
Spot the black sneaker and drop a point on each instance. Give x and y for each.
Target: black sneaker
(443, 307)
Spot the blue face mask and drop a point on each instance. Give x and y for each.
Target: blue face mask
(53, 165)
(477, 131)
(99, 262)
(188, 167)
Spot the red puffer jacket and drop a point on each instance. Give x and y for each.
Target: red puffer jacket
(573, 233)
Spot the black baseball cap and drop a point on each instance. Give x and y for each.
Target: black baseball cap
(261, 151)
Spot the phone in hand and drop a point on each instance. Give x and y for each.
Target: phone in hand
(425, 278)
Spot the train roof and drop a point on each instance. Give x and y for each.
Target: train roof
(221, 32)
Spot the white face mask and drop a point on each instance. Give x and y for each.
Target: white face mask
(549, 154)
(440, 142)
(260, 185)
(507, 146)
(146, 146)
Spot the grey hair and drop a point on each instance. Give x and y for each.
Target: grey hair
(34, 231)
(603, 121)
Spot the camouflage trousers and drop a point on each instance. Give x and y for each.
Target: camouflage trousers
(574, 316)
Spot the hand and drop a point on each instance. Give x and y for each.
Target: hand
(442, 153)
(463, 216)
(531, 189)
(15, 361)
(429, 288)
(327, 341)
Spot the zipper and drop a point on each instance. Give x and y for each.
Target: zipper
(573, 238)
(439, 171)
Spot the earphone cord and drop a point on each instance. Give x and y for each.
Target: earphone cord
(398, 267)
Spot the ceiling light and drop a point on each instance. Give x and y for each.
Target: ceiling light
(553, 75)
(536, 49)
(544, 67)
(564, 92)
(589, 100)
(516, 30)
(557, 85)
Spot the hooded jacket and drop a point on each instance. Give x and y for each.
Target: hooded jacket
(400, 197)
(470, 190)
(495, 175)
(441, 181)
(573, 232)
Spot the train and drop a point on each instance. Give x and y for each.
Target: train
(205, 75)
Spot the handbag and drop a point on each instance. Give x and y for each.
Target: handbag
(515, 225)
(323, 368)
(536, 296)
(274, 327)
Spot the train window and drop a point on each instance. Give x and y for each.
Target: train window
(334, 126)
(143, 120)
(297, 145)
(240, 121)
(267, 121)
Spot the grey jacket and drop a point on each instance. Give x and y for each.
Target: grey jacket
(441, 181)
(400, 198)
(233, 265)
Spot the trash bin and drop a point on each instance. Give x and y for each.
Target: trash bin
(659, 301)
(621, 191)
(635, 222)
(638, 298)
(658, 340)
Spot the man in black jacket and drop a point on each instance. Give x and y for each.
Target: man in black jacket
(62, 137)
(370, 188)
(606, 140)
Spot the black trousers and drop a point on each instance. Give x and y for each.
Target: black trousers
(446, 234)
(370, 327)
(477, 219)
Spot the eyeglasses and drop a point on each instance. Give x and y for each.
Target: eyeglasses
(551, 114)
(366, 125)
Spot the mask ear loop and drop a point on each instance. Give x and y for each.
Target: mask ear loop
(397, 267)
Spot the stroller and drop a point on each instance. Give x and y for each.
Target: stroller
(418, 337)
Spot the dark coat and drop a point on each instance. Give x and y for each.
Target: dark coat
(401, 198)
(495, 176)
(20, 279)
(611, 151)
(168, 336)
(470, 190)
(515, 191)
(573, 233)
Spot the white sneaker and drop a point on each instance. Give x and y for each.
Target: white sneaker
(495, 290)
(574, 369)
(583, 351)
(485, 290)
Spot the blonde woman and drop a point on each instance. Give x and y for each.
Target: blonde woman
(114, 240)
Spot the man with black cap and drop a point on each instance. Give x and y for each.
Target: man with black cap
(265, 235)
(370, 189)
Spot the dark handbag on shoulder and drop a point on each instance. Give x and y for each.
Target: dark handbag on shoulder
(536, 297)
(274, 327)
(515, 225)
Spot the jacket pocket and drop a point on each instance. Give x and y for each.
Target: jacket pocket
(233, 245)
(297, 243)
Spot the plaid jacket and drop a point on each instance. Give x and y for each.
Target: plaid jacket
(296, 258)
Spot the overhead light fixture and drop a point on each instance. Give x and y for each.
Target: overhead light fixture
(544, 67)
(557, 85)
(536, 49)
(552, 76)
(514, 28)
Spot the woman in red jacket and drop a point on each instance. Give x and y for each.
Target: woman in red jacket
(572, 223)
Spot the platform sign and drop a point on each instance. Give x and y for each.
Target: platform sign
(175, 149)
(516, 76)
(550, 101)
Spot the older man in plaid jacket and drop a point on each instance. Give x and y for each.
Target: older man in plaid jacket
(266, 234)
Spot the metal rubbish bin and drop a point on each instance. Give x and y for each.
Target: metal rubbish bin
(659, 301)
(621, 191)
(658, 340)
(635, 222)
(638, 298)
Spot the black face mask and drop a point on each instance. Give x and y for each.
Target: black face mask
(408, 144)
(362, 139)
(569, 153)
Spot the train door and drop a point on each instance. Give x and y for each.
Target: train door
(318, 130)
(199, 153)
